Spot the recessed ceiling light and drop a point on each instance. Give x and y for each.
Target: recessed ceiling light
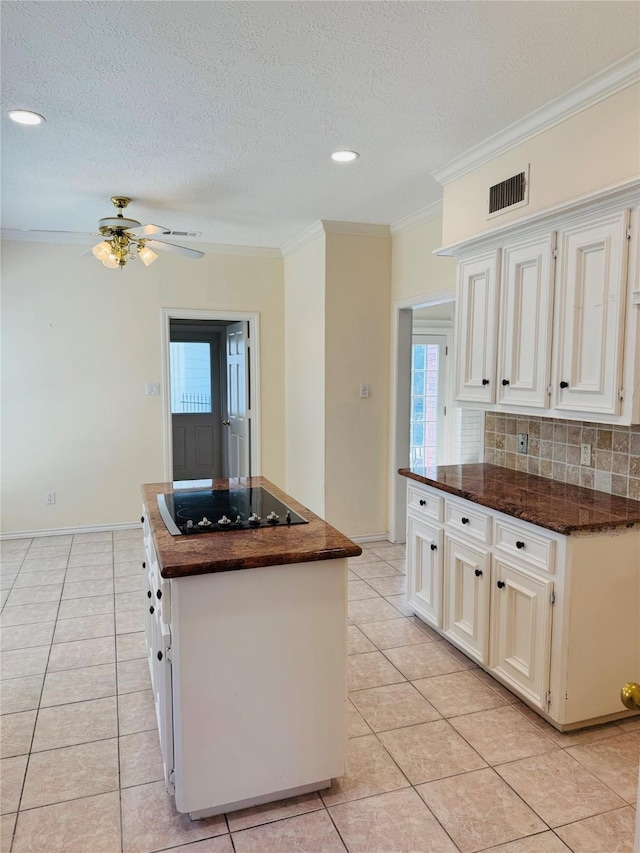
(344, 156)
(25, 117)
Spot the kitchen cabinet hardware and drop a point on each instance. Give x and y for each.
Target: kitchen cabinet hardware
(159, 594)
(520, 545)
(149, 593)
(501, 584)
(505, 381)
(485, 381)
(464, 520)
(433, 546)
(478, 573)
(159, 655)
(422, 502)
(142, 519)
(564, 384)
(152, 610)
(144, 565)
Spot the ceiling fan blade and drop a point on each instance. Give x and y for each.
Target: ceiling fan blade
(45, 231)
(147, 230)
(171, 247)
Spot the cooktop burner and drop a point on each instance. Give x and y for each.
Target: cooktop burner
(215, 510)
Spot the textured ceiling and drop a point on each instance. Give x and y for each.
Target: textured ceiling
(220, 116)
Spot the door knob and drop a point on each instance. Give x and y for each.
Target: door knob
(630, 696)
(226, 423)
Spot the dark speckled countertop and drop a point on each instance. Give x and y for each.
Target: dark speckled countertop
(547, 503)
(180, 556)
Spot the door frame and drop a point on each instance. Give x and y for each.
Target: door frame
(253, 367)
(441, 329)
(400, 398)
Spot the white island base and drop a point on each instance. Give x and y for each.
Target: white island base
(250, 682)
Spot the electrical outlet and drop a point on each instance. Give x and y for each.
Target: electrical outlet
(364, 391)
(523, 442)
(50, 496)
(152, 389)
(585, 454)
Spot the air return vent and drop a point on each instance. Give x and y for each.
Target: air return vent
(193, 234)
(510, 193)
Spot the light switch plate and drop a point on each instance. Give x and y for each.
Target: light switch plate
(152, 389)
(523, 442)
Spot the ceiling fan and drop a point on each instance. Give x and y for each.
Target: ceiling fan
(124, 239)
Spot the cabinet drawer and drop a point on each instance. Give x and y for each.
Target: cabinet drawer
(424, 503)
(468, 520)
(530, 547)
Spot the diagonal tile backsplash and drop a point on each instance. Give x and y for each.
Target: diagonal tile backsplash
(554, 451)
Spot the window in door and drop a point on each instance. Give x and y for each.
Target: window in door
(426, 443)
(190, 377)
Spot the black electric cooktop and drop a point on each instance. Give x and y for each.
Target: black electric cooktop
(216, 510)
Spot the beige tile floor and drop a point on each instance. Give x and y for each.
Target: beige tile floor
(441, 757)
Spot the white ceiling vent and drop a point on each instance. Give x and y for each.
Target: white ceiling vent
(508, 194)
(194, 234)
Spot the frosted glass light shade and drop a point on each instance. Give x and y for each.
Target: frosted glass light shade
(111, 262)
(102, 250)
(147, 256)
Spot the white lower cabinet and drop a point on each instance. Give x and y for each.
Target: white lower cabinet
(552, 617)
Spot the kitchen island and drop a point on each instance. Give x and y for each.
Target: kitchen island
(246, 640)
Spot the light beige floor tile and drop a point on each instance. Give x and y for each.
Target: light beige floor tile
(128, 555)
(11, 778)
(393, 706)
(98, 572)
(314, 831)
(612, 832)
(509, 697)
(356, 726)
(371, 610)
(26, 636)
(367, 556)
(630, 726)
(4, 594)
(87, 825)
(20, 694)
(426, 659)
(7, 823)
(358, 590)
(269, 812)
(44, 563)
(558, 788)
(398, 821)
(433, 635)
(128, 533)
(79, 722)
(133, 675)
(26, 614)
(221, 844)
(131, 646)
(351, 576)
(592, 734)
(370, 770)
(358, 643)
(82, 653)
(84, 628)
(82, 560)
(458, 693)
(35, 594)
(131, 601)
(16, 732)
(71, 772)
(544, 842)
(390, 552)
(87, 588)
(389, 585)
(55, 541)
(140, 759)
(80, 548)
(370, 669)
(393, 633)
(97, 536)
(129, 569)
(150, 821)
(20, 662)
(479, 810)
(136, 712)
(78, 685)
(129, 583)
(401, 603)
(29, 579)
(401, 565)
(615, 761)
(378, 569)
(430, 751)
(6, 584)
(14, 546)
(130, 621)
(502, 734)
(96, 605)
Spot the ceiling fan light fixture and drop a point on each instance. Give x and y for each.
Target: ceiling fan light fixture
(146, 255)
(111, 262)
(101, 251)
(344, 156)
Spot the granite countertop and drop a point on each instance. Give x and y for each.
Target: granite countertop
(180, 556)
(538, 500)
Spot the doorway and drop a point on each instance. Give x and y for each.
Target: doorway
(211, 395)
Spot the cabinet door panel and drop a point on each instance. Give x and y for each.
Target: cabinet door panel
(466, 599)
(525, 323)
(424, 570)
(521, 639)
(593, 267)
(476, 312)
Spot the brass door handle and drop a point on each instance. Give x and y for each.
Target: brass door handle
(226, 423)
(630, 696)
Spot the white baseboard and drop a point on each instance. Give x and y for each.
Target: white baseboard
(65, 531)
(372, 537)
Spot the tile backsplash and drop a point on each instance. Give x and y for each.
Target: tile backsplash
(554, 451)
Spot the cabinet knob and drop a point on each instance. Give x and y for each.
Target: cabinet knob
(152, 610)
(159, 655)
(148, 593)
(464, 520)
(505, 381)
(422, 502)
(485, 381)
(478, 573)
(501, 584)
(159, 594)
(564, 384)
(434, 547)
(142, 519)
(519, 545)
(144, 565)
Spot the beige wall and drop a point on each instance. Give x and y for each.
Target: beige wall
(415, 269)
(304, 287)
(79, 342)
(594, 149)
(358, 283)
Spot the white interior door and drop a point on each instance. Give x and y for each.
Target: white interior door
(238, 422)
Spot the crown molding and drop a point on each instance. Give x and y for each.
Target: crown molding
(307, 236)
(333, 226)
(419, 217)
(606, 83)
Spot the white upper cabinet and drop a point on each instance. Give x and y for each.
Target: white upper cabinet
(526, 310)
(476, 328)
(590, 324)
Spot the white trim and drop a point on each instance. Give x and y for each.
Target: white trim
(624, 192)
(417, 218)
(616, 77)
(431, 327)
(307, 236)
(66, 531)
(254, 371)
(426, 300)
(371, 537)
